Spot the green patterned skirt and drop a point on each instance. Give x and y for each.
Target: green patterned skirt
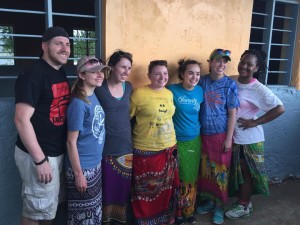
(188, 160)
(254, 157)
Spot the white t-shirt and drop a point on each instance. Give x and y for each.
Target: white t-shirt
(254, 97)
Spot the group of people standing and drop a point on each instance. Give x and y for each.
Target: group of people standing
(154, 150)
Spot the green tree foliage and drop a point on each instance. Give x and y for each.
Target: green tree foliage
(6, 45)
(82, 44)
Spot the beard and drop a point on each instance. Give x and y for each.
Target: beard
(55, 57)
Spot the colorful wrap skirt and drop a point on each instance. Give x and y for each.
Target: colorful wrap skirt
(116, 173)
(188, 162)
(214, 169)
(155, 186)
(85, 208)
(254, 157)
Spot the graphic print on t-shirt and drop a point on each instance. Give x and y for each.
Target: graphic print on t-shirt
(161, 125)
(213, 99)
(61, 98)
(185, 100)
(98, 124)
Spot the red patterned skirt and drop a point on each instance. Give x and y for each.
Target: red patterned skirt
(155, 186)
(214, 170)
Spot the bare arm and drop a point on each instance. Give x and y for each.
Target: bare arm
(80, 180)
(27, 134)
(230, 128)
(267, 117)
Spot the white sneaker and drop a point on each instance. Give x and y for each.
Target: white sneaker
(237, 211)
(250, 207)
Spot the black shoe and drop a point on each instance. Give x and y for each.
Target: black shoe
(191, 219)
(179, 220)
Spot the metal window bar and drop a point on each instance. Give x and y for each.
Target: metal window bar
(281, 30)
(39, 36)
(257, 43)
(266, 42)
(259, 28)
(277, 71)
(49, 15)
(21, 11)
(278, 44)
(260, 14)
(7, 46)
(289, 16)
(278, 59)
(43, 13)
(289, 1)
(86, 40)
(284, 17)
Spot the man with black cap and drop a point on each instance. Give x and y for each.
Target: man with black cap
(42, 97)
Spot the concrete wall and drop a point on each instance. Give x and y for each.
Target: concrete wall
(10, 188)
(10, 203)
(282, 143)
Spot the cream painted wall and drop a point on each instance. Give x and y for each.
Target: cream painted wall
(173, 29)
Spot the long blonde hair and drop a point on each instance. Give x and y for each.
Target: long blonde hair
(78, 91)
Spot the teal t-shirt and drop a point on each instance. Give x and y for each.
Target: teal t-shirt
(186, 117)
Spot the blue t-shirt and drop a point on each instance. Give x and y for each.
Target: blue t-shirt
(186, 117)
(88, 119)
(219, 96)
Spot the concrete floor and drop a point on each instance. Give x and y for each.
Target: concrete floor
(282, 207)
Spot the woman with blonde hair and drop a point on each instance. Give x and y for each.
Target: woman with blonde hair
(85, 140)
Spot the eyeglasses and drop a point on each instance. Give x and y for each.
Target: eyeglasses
(92, 61)
(222, 51)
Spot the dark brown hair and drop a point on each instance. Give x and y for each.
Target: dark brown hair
(155, 63)
(182, 65)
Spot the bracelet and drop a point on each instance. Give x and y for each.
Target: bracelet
(41, 162)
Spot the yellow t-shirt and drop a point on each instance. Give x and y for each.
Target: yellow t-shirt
(154, 129)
